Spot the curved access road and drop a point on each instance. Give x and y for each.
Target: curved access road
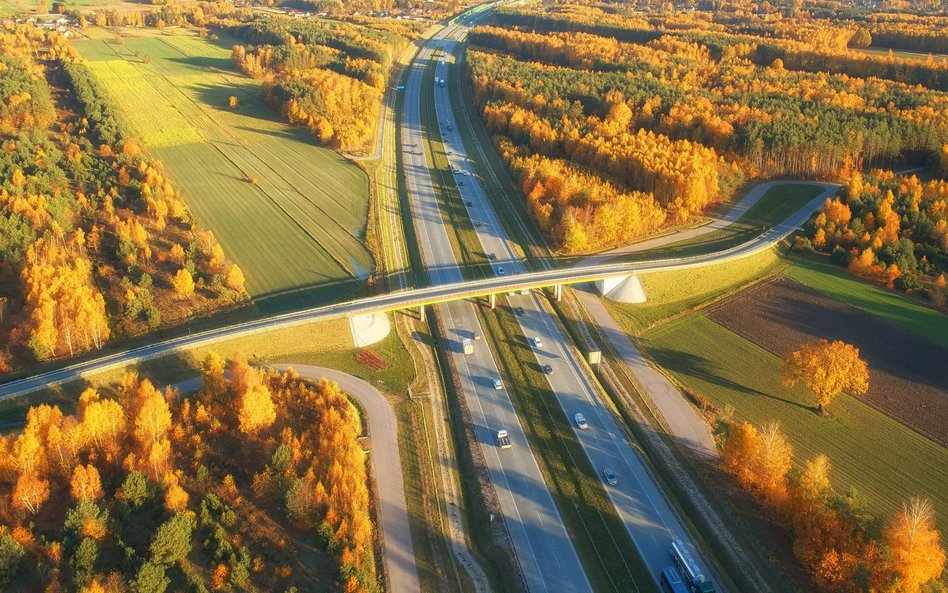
(397, 550)
(398, 553)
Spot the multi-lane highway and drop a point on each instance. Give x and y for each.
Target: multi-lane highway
(640, 504)
(543, 547)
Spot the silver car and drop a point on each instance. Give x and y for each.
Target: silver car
(580, 421)
(610, 476)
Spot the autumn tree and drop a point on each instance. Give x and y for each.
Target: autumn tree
(183, 283)
(915, 551)
(255, 408)
(30, 492)
(861, 38)
(172, 541)
(85, 483)
(827, 369)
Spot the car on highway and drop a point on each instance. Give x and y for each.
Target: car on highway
(519, 310)
(580, 421)
(498, 384)
(477, 225)
(535, 342)
(450, 128)
(503, 439)
(492, 256)
(548, 369)
(460, 184)
(609, 476)
(469, 203)
(500, 271)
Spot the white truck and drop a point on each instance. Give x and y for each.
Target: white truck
(503, 441)
(467, 346)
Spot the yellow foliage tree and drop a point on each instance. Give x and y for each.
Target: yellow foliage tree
(914, 548)
(183, 283)
(85, 483)
(827, 369)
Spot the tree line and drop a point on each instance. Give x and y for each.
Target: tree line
(95, 241)
(328, 76)
(888, 228)
(142, 489)
(843, 548)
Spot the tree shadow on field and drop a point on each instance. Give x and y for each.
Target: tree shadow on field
(206, 63)
(701, 368)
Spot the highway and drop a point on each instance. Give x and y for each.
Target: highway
(646, 514)
(544, 550)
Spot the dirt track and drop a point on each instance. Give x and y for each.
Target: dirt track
(908, 376)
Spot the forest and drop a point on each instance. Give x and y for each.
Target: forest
(664, 114)
(95, 241)
(145, 490)
(329, 76)
(843, 548)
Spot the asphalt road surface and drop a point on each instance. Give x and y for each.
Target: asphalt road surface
(397, 549)
(545, 552)
(638, 501)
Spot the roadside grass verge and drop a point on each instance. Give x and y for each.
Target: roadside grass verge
(895, 308)
(492, 171)
(290, 213)
(601, 540)
(326, 343)
(884, 460)
(776, 205)
(671, 293)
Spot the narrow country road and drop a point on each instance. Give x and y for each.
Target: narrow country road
(397, 549)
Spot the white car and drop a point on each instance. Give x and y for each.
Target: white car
(580, 421)
(535, 341)
(498, 384)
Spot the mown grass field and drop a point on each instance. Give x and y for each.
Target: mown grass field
(889, 305)
(290, 213)
(670, 293)
(884, 460)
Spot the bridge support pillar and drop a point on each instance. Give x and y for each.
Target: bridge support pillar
(558, 292)
(622, 289)
(492, 299)
(421, 312)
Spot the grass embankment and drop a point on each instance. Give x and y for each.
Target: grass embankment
(671, 293)
(889, 305)
(327, 343)
(776, 205)
(290, 213)
(877, 455)
(601, 540)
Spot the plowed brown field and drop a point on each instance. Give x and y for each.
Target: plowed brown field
(908, 375)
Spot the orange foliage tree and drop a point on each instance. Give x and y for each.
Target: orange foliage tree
(827, 369)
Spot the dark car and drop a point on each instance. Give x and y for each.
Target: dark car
(519, 310)
(548, 369)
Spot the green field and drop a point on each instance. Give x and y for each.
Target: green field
(891, 306)
(670, 293)
(877, 455)
(296, 229)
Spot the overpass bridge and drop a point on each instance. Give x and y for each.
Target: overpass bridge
(605, 275)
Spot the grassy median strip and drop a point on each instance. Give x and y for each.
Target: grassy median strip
(471, 258)
(601, 540)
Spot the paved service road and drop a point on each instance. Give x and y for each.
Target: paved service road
(545, 552)
(681, 418)
(397, 549)
(398, 552)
